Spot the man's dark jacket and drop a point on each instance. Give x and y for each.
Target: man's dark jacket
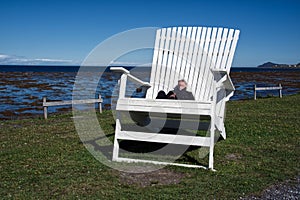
(183, 94)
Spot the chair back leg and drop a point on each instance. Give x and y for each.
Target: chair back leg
(116, 142)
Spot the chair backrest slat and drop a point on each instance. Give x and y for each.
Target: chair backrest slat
(159, 60)
(232, 49)
(226, 50)
(175, 54)
(180, 53)
(184, 69)
(190, 53)
(215, 44)
(170, 59)
(221, 49)
(207, 76)
(203, 69)
(164, 58)
(194, 74)
(154, 63)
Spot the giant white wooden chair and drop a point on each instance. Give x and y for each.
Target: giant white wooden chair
(203, 57)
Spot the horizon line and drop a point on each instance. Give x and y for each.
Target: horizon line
(42, 65)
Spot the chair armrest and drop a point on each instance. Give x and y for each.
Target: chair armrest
(139, 81)
(219, 71)
(228, 84)
(130, 76)
(119, 69)
(222, 77)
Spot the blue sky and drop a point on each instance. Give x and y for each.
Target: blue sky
(64, 32)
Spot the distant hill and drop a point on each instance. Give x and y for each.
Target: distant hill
(275, 65)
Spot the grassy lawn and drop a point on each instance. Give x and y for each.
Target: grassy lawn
(47, 159)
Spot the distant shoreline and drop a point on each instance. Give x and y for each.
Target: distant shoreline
(267, 65)
(270, 65)
(101, 69)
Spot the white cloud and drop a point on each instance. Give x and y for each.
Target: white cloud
(3, 56)
(19, 60)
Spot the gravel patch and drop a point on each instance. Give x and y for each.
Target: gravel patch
(287, 190)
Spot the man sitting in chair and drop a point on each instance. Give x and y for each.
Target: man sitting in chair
(179, 92)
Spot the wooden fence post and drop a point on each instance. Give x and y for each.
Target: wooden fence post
(100, 104)
(254, 92)
(45, 107)
(279, 88)
(280, 91)
(69, 102)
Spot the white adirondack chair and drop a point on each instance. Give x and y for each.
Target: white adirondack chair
(203, 57)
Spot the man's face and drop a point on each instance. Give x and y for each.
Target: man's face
(181, 85)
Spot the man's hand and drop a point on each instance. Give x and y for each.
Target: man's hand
(173, 95)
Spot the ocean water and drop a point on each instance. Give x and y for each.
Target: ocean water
(23, 87)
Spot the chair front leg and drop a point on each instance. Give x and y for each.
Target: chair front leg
(122, 88)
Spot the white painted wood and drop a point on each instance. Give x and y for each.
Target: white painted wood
(218, 122)
(122, 90)
(69, 102)
(212, 131)
(156, 85)
(216, 46)
(168, 84)
(199, 71)
(150, 92)
(254, 92)
(193, 77)
(226, 50)
(130, 76)
(180, 55)
(226, 89)
(138, 81)
(280, 91)
(224, 80)
(165, 138)
(119, 69)
(116, 142)
(279, 88)
(208, 74)
(204, 69)
(268, 88)
(191, 54)
(203, 57)
(175, 70)
(213, 59)
(184, 66)
(164, 106)
(45, 107)
(165, 50)
(100, 103)
(206, 88)
(232, 50)
(221, 50)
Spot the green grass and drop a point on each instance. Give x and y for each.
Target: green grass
(46, 159)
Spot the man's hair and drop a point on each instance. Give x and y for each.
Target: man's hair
(182, 80)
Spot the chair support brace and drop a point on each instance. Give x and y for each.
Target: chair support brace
(130, 76)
